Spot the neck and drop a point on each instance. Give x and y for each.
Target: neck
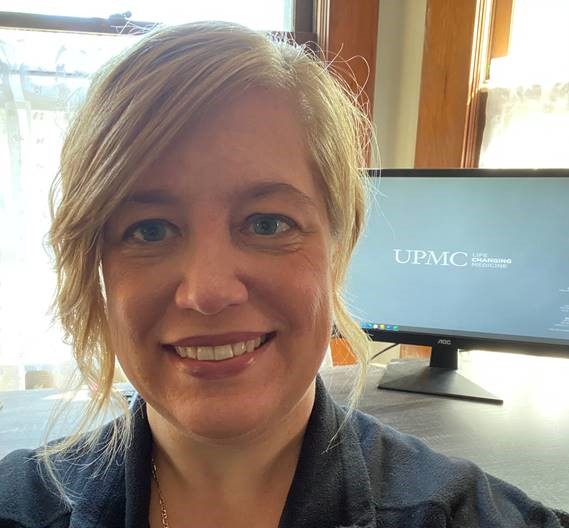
(248, 466)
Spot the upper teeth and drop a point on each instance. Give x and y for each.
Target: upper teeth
(218, 353)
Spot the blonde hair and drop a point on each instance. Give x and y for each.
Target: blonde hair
(136, 107)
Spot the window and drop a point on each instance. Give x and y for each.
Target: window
(45, 75)
(274, 15)
(522, 95)
(527, 102)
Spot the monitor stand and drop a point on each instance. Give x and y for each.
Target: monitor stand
(438, 376)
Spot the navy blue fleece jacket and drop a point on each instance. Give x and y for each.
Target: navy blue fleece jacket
(370, 476)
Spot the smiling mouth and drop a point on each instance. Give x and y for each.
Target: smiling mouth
(221, 352)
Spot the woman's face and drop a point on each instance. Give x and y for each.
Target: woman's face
(217, 272)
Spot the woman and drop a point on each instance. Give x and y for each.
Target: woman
(209, 202)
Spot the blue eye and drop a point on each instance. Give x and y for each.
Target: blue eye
(150, 231)
(267, 225)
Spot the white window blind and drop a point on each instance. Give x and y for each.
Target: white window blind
(527, 110)
(44, 78)
(273, 15)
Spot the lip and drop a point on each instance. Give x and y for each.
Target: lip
(218, 370)
(217, 339)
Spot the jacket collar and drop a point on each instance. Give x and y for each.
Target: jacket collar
(331, 486)
(119, 496)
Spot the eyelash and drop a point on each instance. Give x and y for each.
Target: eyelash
(291, 224)
(130, 233)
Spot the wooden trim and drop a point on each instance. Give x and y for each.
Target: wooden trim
(460, 39)
(445, 81)
(300, 37)
(478, 132)
(480, 62)
(347, 31)
(322, 23)
(341, 352)
(495, 43)
(303, 16)
(501, 28)
(115, 24)
(415, 351)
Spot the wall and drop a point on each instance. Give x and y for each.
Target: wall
(398, 80)
(397, 88)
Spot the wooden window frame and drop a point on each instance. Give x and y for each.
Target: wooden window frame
(347, 31)
(121, 24)
(460, 39)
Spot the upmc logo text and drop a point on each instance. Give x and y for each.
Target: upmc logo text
(431, 258)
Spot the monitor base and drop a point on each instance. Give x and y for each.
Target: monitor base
(417, 376)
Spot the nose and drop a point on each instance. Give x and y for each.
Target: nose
(211, 280)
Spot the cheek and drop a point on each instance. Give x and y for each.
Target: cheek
(134, 305)
(306, 291)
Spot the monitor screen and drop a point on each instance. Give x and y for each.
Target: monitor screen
(471, 258)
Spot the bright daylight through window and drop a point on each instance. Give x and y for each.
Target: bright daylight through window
(527, 111)
(273, 15)
(45, 75)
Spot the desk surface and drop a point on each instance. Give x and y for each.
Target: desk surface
(524, 441)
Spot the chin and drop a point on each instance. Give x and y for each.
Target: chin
(223, 422)
(225, 432)
(226, 419)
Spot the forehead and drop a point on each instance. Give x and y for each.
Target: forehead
(254, 138)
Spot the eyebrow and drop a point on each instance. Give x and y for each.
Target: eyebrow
(151, 196)
(259, 190)
(270, 188)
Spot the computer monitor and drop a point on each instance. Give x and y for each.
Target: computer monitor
(462, 259)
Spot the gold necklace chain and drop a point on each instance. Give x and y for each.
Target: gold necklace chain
(163, 511)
